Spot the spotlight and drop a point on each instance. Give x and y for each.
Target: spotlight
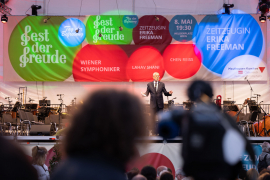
(34, 9)
(4, 18)
(100, 35)
(262, 18)
(157, 18)
(77, 30)
(4, 1)
(227, 8)
(121, 28)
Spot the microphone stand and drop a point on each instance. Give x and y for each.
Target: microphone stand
(250, 88)
(258, 111)
(60, 109)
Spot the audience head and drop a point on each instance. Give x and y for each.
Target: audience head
(161, 168)
(139, 177)
(166, 176)
(261, 177)
(107, 123)
(265, 147)
(179, 174)
(15, 164)
(264, 171)
(132, 173)
(149, 172)
(170, 170)
(252, 174)
(200, 91)
(39, 155)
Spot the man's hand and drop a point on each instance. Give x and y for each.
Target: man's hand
(143, 94)
(170, 92)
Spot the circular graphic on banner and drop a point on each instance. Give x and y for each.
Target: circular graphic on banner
(130, 21)
(104, 63)
(143, 63)
(221, 38)
(183, 27)
(152, 30)
(36, 53)
(155, 160)
(71, 32)
(105, 30)
(182, 61)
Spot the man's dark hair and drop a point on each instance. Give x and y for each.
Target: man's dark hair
(133, 172)
(15, 164)
(166, 176)
(149, 172)
(197, 88)
(169, 170)
(106, 123)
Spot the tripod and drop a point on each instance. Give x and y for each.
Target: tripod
(264, 130)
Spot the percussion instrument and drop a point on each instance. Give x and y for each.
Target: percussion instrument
(261, 126)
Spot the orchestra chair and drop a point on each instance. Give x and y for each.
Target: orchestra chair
(25, 123)
(47, 121)
(54, 119)
(32, 118)
(10, 124)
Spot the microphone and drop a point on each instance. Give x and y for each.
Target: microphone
(257, 94)
(246, 77)
(57, 94)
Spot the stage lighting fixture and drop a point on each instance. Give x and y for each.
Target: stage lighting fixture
(263, 6)
(100, 35)
(4, 18)
(157, 18)
(4, 1)
(77, 30)
(227, 8)
(121, 28)
(262, 18)
(34, 9)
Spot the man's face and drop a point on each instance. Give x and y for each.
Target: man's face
(179, 177)
(156, 77)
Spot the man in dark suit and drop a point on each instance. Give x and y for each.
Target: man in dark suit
(156, 88)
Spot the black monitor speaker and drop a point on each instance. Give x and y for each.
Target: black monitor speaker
(41, 130)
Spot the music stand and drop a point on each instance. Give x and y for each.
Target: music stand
(233, 108)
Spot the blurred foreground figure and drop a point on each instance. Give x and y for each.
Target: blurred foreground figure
(14, 163)
(100, 140)
(212, 143)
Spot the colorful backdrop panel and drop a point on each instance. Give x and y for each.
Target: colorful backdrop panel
(103, 48)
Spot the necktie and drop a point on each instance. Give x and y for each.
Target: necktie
(156, 86)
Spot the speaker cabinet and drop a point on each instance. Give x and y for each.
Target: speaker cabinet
(41, 130)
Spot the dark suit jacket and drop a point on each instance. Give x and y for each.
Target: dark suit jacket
(156, 97)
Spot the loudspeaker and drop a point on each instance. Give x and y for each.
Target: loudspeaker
(41, 130)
